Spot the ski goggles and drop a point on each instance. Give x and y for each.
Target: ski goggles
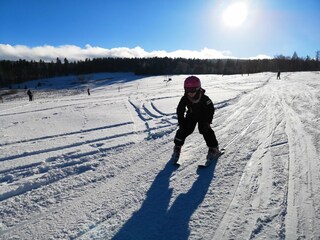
(191, 90)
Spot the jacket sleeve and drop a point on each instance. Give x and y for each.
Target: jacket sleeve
(181, 110)
(209, 109)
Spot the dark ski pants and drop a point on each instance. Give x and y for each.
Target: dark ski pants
(188, 127)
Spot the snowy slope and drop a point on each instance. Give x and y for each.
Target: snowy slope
(74, 166)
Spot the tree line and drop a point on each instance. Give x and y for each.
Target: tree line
(13, 72)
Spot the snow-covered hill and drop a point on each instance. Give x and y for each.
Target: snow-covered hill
(74, 166)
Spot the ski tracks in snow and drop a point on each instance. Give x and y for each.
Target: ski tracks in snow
(70, 170)
(271, 201)
(113, 181)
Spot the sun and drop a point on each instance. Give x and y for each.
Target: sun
(235, 14)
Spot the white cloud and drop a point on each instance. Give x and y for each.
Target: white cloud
(72, 52)
(261, 56)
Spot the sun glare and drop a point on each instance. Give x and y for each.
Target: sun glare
(235, 14)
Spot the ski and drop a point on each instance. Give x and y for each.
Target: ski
(211, 160)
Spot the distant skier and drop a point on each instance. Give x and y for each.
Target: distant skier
(199, 109)
(88, 91)
(278, 75)
(30, 94)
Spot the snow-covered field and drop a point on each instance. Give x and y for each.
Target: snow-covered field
(74, 166)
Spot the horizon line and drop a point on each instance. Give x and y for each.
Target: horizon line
(48, 53)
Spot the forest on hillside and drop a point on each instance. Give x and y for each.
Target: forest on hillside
(13, 72)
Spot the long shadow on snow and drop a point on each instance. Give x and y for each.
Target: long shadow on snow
(154, 220)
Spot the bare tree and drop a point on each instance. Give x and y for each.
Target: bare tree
(295, 56)
(318, 55)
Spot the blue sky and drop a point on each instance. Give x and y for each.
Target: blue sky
(138, 28)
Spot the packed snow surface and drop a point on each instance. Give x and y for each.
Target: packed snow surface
(74, 166)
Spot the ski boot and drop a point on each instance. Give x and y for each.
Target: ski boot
(213, 153)
(176, 154)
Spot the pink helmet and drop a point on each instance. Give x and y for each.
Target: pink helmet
(192, 82)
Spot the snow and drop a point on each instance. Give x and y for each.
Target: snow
(74, 166)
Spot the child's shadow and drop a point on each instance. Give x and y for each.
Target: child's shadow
(154, 220)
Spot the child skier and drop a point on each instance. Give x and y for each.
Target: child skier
(200, 109)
